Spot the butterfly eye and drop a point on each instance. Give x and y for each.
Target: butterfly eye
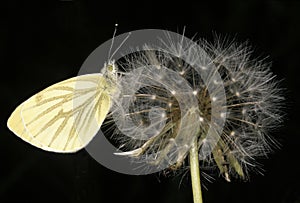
(110, 68)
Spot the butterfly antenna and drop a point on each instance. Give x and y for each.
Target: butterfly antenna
(112, 42)
(124, 40)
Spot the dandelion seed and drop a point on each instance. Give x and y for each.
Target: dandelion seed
(216, 82)
(182, 72)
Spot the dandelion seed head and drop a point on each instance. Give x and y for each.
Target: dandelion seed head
(252, 107)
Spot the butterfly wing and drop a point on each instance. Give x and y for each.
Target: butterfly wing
(15, 124)
(65, 116)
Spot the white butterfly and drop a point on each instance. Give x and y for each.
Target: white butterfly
(66, 116)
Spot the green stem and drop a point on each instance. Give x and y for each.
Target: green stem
(195, 173)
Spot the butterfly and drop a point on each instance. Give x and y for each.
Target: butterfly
(67, 115)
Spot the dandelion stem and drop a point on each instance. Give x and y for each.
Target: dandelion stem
(195, 173)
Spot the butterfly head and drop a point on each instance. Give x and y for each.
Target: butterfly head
(109, 68)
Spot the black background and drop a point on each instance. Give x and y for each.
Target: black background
(43, 43)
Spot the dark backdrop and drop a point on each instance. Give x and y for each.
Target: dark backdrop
(43, 43)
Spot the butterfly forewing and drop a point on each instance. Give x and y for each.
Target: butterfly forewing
(65, 116)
